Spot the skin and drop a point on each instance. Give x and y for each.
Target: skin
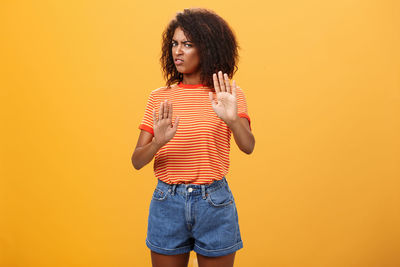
(184, 49)
(181, 260)
(224, 105)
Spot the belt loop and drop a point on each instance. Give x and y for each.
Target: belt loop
(203, 191)
(173, 189)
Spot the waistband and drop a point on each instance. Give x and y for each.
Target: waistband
(193, 189)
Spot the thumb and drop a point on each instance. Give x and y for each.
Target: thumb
(234, 88)
(176, 123)
(154, 117)
(213, 102)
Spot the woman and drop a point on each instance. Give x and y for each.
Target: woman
(187, 127)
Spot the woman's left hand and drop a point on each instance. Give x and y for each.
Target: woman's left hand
(225, 106)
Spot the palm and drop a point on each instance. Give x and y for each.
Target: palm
(225, 104)
(164, 130)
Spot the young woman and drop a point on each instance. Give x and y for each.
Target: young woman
(187, 127)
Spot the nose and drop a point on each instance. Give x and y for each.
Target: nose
(178, 50)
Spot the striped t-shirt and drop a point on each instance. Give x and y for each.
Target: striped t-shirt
(199, 151)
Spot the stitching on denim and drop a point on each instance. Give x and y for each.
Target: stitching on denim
(236, 219)
(216, 250)
(219, 205)
(220, 183)
(182, 192)
(170, 249)
(222, 204)
(164, 195)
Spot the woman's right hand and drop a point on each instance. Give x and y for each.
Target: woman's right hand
(164, 130)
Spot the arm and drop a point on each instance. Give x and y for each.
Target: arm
(225, 106)
(145, 150)
(147, 145)
(244, 138)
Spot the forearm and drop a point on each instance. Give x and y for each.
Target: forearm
(244, 138)
(144, 154)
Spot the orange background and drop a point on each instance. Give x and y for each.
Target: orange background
(322, 81)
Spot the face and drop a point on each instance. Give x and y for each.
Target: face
(185, 54)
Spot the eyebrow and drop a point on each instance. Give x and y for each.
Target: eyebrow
(182, 42)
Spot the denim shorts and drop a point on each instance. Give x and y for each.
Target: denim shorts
(185, 217)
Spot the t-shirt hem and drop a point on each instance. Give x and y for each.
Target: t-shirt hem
(195, 181)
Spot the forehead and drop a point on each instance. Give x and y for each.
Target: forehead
(179, 35)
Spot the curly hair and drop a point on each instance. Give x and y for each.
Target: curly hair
(215, 40)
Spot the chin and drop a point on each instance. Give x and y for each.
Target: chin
(181, 70)
(184, 70)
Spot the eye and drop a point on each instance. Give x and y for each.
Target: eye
(188, 45)
(173, 44)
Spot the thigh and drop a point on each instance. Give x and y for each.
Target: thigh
(221, 261)
(160, 260)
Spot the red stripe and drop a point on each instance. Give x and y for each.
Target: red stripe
(199, 152)
(146, 128)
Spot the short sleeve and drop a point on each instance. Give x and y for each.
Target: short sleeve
(242, 105)
(147, 121)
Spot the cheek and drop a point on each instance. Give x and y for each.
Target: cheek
(194, 60)
(192, 54)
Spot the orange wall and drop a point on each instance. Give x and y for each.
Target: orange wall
(322, 81)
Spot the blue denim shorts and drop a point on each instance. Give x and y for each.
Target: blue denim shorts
(185, 217)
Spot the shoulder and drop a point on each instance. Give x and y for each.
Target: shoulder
(162, 90)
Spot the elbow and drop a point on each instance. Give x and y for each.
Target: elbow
(249, 148)
(248, 151)
(136, 164)
(137, 167)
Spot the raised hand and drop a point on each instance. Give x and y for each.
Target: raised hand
(225, 105)
(164, 130)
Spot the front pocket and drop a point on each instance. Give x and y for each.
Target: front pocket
(220, 198)
(159, 194)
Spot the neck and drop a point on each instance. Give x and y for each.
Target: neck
(192, 78)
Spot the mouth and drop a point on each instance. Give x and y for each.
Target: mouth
(178, 61)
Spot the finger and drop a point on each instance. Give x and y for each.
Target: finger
(216, 84)
(161, 111)
(170, 112)
(154, 117)
(227, 85)
(221, 81)
(165, 116)
(234, 88)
